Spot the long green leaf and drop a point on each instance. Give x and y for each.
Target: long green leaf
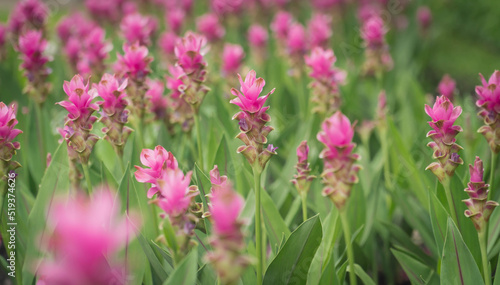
(418, 272)
(185, 273)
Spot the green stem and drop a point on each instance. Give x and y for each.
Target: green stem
(198, 138)
(492, 173)
(350, 252)
(385, 150)
(39, 121)
(449, 197)
(258, 226)
(484, 256)
(303, 195)
(120, 161)
(87, 177)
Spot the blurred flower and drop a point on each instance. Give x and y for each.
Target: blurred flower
(217, 180)
(443, 115)
(113, 115)
(175, 18)
(80, 120)
(27, 15)
(257, 36)
(377, 56)
(281, 24)
(252, 120)
(209, 26)
(175, 194)
(88, 234)
(489, 102)
(158, 102)
(137, 28)
(3, 40)
(182, 113)
(167, 43)
(95, 50)
(424, 17)
(8, 133)
(373, 32)
(480, 208)
(319, 30)
(158, 161)
(325, 4)
(297, 39)
(302, 180)
(339, 171)
(232, 58)
(223, 7)
(105, 11)
(447, 86)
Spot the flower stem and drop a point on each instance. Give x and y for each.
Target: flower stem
(198, 138)
(482, 243)
(492, 173)
(258, 226)
(385, 151)
(38, 112)
(87, 177)
(303, 195)
(350, 252)
(449, 197)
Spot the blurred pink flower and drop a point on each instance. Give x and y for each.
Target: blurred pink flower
(167, 43)
(88, 234)
(189, 51)
(105, 11)
(216, 179)
(137, 28)
(158, 102)
(319, 30)
(302, 152)
(257, 36)
(175, 19)
(232, 57)
(373, 32)
(209, 26)
(175, 193)
(28, 15)
(447, 86)
(8, 133)
(297, 39)
(302, 180)
(32, 47)
(174, 81)
(336, 134)
(222, 7)
(248, 99)
(134, 64)
(113, 94)
(225, 208)
(424, 17)
(158, 161)
(281, 24)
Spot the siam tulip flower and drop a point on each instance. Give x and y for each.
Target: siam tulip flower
(302, 180)
(167, 45)
(424, 17)
(113, 115)
(105, 11)
(281, 24)
(8, 133)
(175, 19)
(232, 58)
(257, 36)
(447, 86)
(443, 115)
(367, 10)
(297, 40)
(373, 32)
(80, 120)
(158, 103)
(480, 208)
(223, 7)
(340, 171)
(209, 26)
(377, 56)
(327, 79)
(181, 111)
(227, 240)
(137, 28)
(252, 120)
(217, 180)
(27, 15)
(319, 29)
(95, 50)
(32, 47)
(175, 194)
(489, 102)
(159, 161)
(88, 234)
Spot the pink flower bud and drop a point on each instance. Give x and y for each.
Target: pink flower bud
(446, 86)
(248, 99)
(232, 58)
(209, 26)
(257, 36)
(32, 48)
(190, 51)
(319, 29)
(113, 94)
(216, 179)
(281, 23)
(158, 102)
(336, 133)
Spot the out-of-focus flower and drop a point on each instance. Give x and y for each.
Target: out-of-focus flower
(209, 26)
(447, 86)
(217, 180)
(319, 30)
(3, 40)
(480, 208)
(281, 24)
(424, 17)
(106, 11)
(339, 171)
(223, 7)
(8, 133)
(175, 19)
(257, 36)
(27, 15)
(88, 234)
(157, 102)
(95, 50)
(297, 40)
(302, 180)
(377, 56)
(489, 102)
(137, 28)
(327, 79)
(252, 120)
(182, 113)
(443, 116)
(166, 43)
(373, 32)
(322, 5)
(175, 194)
(232, 58)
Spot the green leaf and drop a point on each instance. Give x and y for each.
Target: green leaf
(275, 225)
(329, 276)
(458, 266)
(291, 264)
(439, 218)
(418, 272)
(497, 276)
(185, 273)
(153, 260)
(362, 275)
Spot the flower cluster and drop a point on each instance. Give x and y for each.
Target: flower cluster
(232, 58)
(209, 26)
(319, 29)
(252, 120)
(8, 133)
(27, 15)
(137, 28)
(340, 171)
(489, 102)
(113, 115)
(32, 47)
(88, 233)
(443, 115)
(110, 11)
(302, 180)
(327, 78)
(480, 208)
(447, 86)
(227, 240)
(378, 58)
(80, 120)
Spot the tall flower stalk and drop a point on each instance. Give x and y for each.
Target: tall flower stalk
(340, 172)
(445, 149)
(302, 180)
(252, 120)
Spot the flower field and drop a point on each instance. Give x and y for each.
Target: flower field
(249, 142)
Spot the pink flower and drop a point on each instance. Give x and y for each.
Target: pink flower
(174, 82)
(158, 102)
(447, 86)
(88, 234)
(216, 179)
(79, 104)
(158, 161)
(321, 62)
(248, 99)
(297, 39)
(32, 47)
(325, 4)
(319, 29)
(138, 29)
(28, 14)
(373, 32)
(424, 17)
(489, 93)
(175, 193)
(302, 180)
(232, 57)
(222, 7)
(336, 134)
(189, 51)
(167, 42)
(209, 26)
(134, 63)
(106, 11)
(225, 208)
(257, 36)
(302, 152)
(113, 94)
(281, 24)
(8, 132)
(95, 49)
(175, 19)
